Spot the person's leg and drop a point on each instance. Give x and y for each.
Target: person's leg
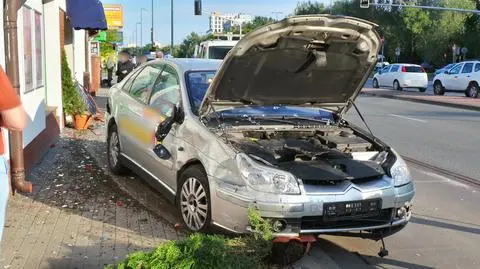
(4, 191)
(110, 76)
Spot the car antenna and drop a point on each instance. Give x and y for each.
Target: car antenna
(363, 119)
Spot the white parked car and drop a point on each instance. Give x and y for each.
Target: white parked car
(462, 77)
(401, 76)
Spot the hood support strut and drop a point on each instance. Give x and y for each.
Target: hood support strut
(10, 9)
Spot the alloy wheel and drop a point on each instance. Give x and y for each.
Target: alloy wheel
(395, 85)
(194, 204)
(114, 148)
(473, 91)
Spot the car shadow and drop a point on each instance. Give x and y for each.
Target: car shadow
(445, 225)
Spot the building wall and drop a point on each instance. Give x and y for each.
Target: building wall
(53, 78)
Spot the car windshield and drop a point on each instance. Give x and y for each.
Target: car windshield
(218, 52)
(197, 85)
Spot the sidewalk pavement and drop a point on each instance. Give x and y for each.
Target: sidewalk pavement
(77, 216)
(415, 96)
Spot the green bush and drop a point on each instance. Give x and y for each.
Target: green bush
(201, 251)
(73, 103)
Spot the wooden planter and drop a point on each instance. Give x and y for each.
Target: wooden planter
(81, 122)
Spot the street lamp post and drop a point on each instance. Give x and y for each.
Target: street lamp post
(153, 42)
(141, 26)
(171, 31)
(136, 33)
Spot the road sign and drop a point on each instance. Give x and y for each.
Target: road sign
(364, 3)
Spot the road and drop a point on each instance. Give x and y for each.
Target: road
(445, 228)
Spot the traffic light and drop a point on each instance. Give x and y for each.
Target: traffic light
(364, 3)
(198, 7)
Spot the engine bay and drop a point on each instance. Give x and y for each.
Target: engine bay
(317, 156)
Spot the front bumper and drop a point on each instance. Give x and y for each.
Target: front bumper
(303, 214)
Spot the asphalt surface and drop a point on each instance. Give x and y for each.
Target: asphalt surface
(445, 228)
(441, 136)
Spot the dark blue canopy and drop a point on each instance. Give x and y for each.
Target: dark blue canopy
(86, 14)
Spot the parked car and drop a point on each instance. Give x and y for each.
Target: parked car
(443, 69)
(401, 76)
(258, 131)
(462, 77)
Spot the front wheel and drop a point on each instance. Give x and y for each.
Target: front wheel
(422, 89)
(438, 88)
(396, 86)
(472, 90)
(194, 199)
(375, 83)
(113, 152)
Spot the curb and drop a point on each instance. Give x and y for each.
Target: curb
(430, 102)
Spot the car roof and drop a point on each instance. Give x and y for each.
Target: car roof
(211, 43)
(190, 64)
(407, 64)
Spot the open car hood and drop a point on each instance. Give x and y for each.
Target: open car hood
(313, 60)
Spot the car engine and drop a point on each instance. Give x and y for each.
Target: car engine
(326, 154)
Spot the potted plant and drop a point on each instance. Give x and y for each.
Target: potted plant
(73, 103)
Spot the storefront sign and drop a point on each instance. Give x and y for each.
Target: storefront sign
(114, 15)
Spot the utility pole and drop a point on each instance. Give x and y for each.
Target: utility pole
(171, 25)
(153, 42)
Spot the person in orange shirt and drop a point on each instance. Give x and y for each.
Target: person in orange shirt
(12, 117)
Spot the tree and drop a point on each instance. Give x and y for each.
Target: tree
(309, 7)
(187, 48)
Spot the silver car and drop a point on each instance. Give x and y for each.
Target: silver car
(265, 128)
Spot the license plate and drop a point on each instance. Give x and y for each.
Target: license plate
(352, 209)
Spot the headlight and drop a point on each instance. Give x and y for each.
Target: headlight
(263, 178)
(399, 171)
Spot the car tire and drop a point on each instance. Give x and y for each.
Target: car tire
(422, 89)
(375, 83)
(472, 90)
(438, 88)
(113, 152)
(193, 199)
(396, 85)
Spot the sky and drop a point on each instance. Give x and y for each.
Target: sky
(184, 19)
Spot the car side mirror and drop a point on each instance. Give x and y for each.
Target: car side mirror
(176, 114)
(447, 72)
(379, 72)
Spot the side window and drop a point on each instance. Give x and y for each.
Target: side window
(477, 67)
(385, 69)
(467, 68)
(166, 91)
(128, 84)
(395, 68)
(456, 69)
(142, 85)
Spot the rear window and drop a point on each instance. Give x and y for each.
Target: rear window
(218, 52)
(413, 69)
(477, 67)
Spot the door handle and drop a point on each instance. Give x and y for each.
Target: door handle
(455, 77)
(468, 76)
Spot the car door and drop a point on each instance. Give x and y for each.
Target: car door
(382, 76)
(393, 74)
(464, 77)
(165, 95)
(451, 79)
(123, 113)
(133, 125)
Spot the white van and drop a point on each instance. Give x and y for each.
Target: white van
(214, 49)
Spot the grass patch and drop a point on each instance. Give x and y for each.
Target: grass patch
(202, 251)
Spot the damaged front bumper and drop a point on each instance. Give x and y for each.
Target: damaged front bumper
(296, 215)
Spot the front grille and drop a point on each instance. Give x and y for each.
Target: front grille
(384, 216)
